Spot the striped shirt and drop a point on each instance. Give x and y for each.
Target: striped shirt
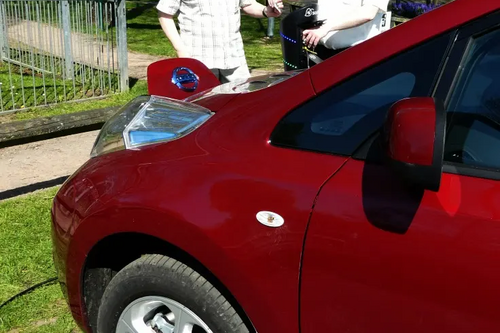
(210, 30)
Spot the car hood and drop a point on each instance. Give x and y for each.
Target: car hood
(215, 98)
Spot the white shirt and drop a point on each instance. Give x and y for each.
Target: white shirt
(210, 30)
(333, 10)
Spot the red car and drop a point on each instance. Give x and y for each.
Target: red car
(360, 195)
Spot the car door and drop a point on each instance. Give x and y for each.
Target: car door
(383, 257)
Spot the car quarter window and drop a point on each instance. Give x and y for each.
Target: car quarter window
(341, 119)
(473, 130)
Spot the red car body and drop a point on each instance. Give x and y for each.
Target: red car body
(330, 267)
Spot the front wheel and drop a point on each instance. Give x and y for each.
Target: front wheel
(158, 294)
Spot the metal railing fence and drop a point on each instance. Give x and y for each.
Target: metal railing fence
(54, 51)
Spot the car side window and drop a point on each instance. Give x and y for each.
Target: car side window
(473, 130)
(341, 119)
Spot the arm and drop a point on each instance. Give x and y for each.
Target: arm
(354, 18)
(258, 10)
(168, 25)
(350, 20)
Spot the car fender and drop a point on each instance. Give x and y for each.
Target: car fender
(170, 227)
(194, 185)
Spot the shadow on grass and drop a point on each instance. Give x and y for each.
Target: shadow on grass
(145, 36)
(132, 82)
(139, 10)
(143, 26)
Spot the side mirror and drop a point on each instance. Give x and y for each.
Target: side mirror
(413, 140)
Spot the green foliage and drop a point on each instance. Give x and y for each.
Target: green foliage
(144, 35)
(21, 87)
(139, 88)
(26, 259)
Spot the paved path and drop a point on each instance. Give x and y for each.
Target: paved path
(44, 38)
(43, 161)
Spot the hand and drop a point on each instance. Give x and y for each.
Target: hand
(274, 8)
(182, 54)
(313, 36)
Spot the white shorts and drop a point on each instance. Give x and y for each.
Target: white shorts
(232, 74)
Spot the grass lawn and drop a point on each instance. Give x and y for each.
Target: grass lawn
(144, 35)
(26, 259)
(138, 88)
(22, 88)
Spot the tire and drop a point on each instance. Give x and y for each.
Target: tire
(160, 278)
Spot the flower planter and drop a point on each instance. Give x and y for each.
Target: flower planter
(397, 20)
(411, 9)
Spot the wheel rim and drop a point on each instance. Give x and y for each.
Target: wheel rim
(153, 314)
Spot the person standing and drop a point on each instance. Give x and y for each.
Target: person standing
(347, 23)
(210, 31)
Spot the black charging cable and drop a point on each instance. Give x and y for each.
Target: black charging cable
(30, 289)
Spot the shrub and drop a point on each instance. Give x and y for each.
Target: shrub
(410, 9)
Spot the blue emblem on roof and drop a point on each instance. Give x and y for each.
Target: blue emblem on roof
(185, 79)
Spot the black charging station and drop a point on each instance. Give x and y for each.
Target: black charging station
(303, 15)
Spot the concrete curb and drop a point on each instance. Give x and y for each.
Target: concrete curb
(25, 131)
(8, 194)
